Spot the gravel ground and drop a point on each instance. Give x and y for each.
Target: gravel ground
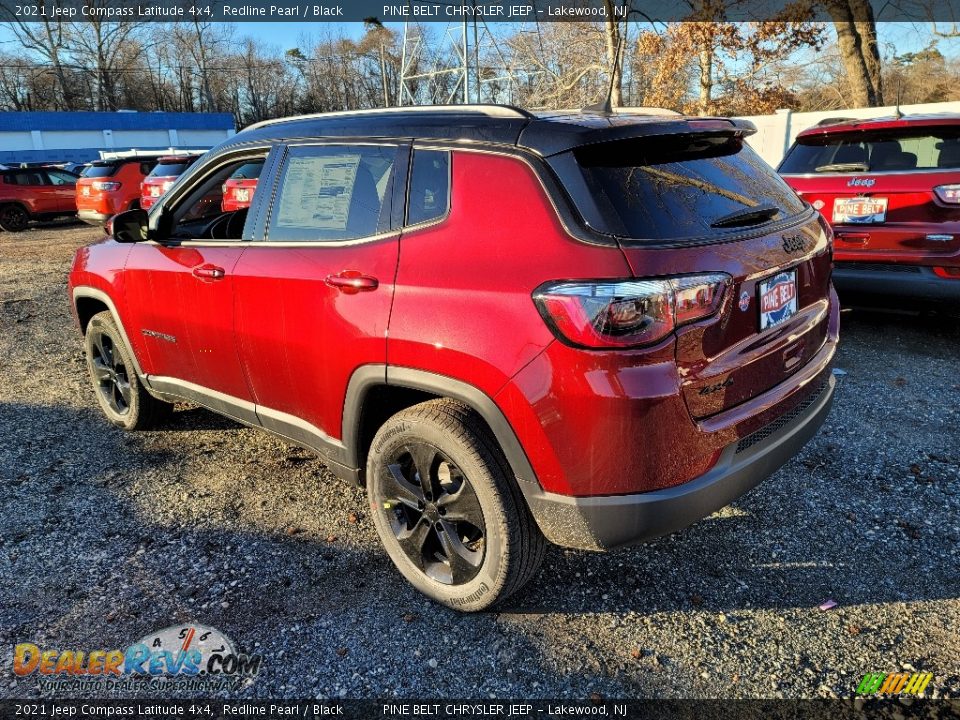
(106, 536)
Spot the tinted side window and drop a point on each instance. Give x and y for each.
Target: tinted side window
(61, 178)
(429, 190)
(332, 193)
(29, 178)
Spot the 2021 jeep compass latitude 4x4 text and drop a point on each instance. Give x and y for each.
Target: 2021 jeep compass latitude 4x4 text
(591, 329)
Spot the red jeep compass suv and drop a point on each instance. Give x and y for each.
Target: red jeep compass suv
(592, 329)
(163, 176)
(35, 193)
(891, 189)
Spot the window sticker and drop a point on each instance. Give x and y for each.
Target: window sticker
(317, 192)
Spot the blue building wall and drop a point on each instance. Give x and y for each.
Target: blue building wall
(79, 136)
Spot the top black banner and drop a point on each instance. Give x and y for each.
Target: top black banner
(446, 11)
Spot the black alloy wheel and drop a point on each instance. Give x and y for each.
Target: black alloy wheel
(110, 374)
(434, 513)
(13, 218)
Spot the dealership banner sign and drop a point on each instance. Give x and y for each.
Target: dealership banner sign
(40, 11)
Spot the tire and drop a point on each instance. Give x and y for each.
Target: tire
(13, 218)
(465, 538)
(121, 395)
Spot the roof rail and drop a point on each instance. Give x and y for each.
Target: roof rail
(836, 120)
(505, 111)
(627, 110)
(117, 154)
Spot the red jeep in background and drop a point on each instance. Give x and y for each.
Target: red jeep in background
(891, 189)
(35, 193)
(163, 176)
(239, 188)
(581, 327)
(110, 186)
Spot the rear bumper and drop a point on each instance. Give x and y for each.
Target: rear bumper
(894, 280)
(93, 217)
(606, 522)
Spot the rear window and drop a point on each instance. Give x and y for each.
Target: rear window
(687, 186)
(169, 169)
(248, 171)
(99, 171)
(898, 150)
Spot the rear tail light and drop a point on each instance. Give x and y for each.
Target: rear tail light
(167, 185)
(949, 273)
(105, 186)
(949, 194)
(628, 313)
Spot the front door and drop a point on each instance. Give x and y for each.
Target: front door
(182, 294)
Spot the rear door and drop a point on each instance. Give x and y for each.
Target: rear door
(696, 203)
(313, 301)
(64, 186)
(877, 189)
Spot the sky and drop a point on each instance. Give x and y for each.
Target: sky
(896, 38)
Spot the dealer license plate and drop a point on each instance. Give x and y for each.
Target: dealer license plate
(778, 299)
(860, 210)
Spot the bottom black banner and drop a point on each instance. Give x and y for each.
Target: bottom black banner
(857, 709)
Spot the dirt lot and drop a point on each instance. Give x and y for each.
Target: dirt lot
(105, 537)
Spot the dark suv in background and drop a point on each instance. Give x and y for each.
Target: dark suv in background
(587, 328)
(891, 189)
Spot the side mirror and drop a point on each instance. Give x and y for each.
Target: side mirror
(129, 226)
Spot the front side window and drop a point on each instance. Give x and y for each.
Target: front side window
(202, 214)
(61, 178)
(333, 193)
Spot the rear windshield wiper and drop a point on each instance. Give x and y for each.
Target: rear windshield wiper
(747, 216)
(843, 167)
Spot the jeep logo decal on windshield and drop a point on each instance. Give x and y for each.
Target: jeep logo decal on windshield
(861, 182)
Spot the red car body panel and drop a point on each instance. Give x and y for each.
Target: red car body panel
(198, 347)
(469, 314)
(301, 350)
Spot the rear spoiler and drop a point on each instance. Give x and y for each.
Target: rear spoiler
(550, 138)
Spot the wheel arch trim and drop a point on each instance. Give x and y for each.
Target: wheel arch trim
(86, 291)
(367, 377)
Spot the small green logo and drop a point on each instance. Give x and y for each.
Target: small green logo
(894, 683)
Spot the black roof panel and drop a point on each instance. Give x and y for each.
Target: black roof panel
(545, 134)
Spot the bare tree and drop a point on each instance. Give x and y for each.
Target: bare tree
(46, 39)
(104, 47)
(856, 29)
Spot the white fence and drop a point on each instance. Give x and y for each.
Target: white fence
(775, 133)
